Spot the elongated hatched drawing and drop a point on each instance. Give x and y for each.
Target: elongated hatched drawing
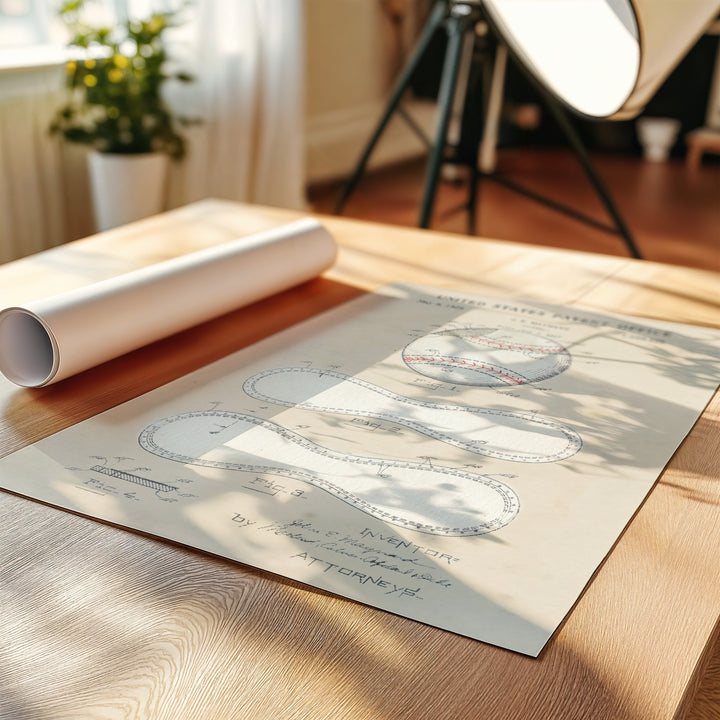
(502, 434)
(155, 485)
(418, 496)
(487, 357)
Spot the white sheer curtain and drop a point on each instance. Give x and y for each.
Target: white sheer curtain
(248, 58)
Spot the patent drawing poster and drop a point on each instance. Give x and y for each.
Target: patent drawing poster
(463, 461)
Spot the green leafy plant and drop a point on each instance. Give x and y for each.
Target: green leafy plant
(114, 86)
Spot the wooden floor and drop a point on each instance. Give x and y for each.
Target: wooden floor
(673, 213)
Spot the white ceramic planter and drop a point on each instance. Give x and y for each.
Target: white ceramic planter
(126, 187)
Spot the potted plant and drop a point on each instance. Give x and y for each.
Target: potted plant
(115, 106)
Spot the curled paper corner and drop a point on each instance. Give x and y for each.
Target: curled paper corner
(50, 339)
(28, 350)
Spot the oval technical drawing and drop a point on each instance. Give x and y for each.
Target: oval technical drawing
(418, 496)
(501, 434)
(486, 357)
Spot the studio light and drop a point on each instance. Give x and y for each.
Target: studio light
(602, 58)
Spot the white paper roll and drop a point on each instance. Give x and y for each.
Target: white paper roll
(50, 339)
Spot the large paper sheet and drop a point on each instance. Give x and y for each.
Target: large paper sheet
(462, 461)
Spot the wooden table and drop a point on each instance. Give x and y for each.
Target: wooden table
(99, 622)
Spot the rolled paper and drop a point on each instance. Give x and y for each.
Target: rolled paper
(53, 338)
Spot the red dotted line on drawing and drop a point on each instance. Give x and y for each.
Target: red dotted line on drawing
(461, 362)
(511, 346)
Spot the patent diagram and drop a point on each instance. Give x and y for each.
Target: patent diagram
(501, 434)
(489, 357)
(164, 491)
(419, 496)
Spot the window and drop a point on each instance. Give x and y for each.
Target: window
(23, 23)
(31, 33)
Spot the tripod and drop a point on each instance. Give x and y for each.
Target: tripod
(460, 18)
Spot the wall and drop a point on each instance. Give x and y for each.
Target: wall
(353, 53)
(43, 182)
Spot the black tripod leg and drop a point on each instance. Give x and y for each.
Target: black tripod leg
(473, 192)
(472, 126)
(483, 88)
(577, 145)
(434, 21)
(456, 27)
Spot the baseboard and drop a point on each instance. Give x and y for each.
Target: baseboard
(335, 140)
